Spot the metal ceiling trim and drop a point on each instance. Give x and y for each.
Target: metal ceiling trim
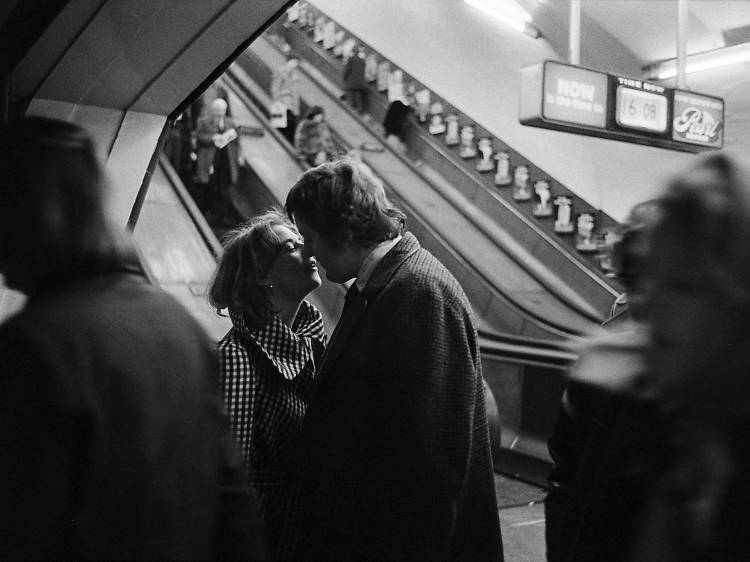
(218, 15)
(64, 52)
(213, 76)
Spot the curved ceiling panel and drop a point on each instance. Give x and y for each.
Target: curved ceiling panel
(120, 67)
(136, 55)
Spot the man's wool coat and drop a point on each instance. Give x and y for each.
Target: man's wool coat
(397, 462)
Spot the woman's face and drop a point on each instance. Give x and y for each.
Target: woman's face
(692, 320)
(292, 274)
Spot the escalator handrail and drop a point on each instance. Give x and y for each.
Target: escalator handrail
(525, 350)
(503, 337)
(196, 216)
(542, 322)
(504, 347)
(450, 156)
(548, 281)
(556, 328)
(375, 94)
(524, 355)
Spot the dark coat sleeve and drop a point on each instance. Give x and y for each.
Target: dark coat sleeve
(240, 527)
(602, 446)
(567, 445)
(39, 442)
(47, 435)
(424, 404)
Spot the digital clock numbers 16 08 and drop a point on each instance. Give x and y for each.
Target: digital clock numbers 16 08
(645, 111)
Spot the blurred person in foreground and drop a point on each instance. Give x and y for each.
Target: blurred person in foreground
(698, 357)
(114, 445)
(268, 359)
(397, 456)
(598, 481)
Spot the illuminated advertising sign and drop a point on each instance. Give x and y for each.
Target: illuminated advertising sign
(698, 119)
(569, 98)
(574, 95)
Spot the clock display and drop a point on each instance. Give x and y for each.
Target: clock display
(645, 111)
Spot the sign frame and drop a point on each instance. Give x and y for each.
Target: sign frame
(704, 102)
(534, 108)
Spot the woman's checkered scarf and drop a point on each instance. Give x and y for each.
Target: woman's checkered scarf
(288, 349)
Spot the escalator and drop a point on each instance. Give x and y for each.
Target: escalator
(179, 249)
(179, 252)
(523, 353)
(577, 266)
(512, 291)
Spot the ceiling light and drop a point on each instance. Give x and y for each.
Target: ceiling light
(508, 12)
(699, 61)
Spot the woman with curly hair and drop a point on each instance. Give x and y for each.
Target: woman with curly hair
(268, 358)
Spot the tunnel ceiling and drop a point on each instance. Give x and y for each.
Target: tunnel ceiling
(646, 30)
(133, 55)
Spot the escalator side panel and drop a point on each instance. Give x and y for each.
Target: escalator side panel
(598, 292)
(175, 253)
(410, 185)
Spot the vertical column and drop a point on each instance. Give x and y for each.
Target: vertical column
(574, 37)
(683, 15)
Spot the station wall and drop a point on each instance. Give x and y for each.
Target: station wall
(474, 63)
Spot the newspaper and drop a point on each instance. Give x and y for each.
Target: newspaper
(223, 139)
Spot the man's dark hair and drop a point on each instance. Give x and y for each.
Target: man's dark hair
(344, 201)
